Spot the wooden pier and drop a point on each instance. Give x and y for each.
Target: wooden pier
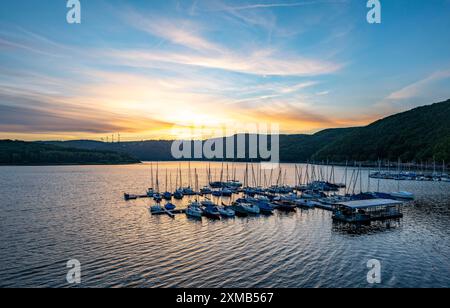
(128, 197)
(171, 214)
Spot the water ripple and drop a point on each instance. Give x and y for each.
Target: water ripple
(50, 215)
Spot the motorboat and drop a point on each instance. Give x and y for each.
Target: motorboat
(156, 209)
(150, 192)
(207, 202)
(265, 208)
(167, 195)
(187, 191)
(205, 190)
(178, 194)
(226, 211)
(226, 192)
(404, 195)
(305, 203)
(157, 197)
(246, 208)
(194, 210)
(211, 212)
(285, 206)
(169, 206)
(217, 193)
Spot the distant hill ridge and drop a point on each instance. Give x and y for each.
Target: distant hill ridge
(421, 134)
(32, 153)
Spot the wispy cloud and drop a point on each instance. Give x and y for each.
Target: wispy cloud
(23, 110)
(207, 54)
(12, 45)
(177, 31)
(258, 64)
(281, 5)
(417, 93)
(323, 93)
(418, 87)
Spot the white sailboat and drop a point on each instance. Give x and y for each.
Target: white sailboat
(404, 195)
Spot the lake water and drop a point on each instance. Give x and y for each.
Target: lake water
(50, 215)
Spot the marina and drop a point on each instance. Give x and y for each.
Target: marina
(262, 192)
(412, 172)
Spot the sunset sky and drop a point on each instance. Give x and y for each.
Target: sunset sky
(143, 68)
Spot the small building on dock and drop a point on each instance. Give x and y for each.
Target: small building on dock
(361, 211)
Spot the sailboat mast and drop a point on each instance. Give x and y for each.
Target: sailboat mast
(166, 182)
(300, 179)
(379, 172)
(253, 177)
(189, 174)
(260, 174)
(228, 177)
(346, 173)
(196, 180)
(181, 178)
(295, 176)
(151, 174)
(157, 178)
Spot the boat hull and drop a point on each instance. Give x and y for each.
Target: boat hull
(227, 213)
(215, 216)
(156, 209)
(194, 213)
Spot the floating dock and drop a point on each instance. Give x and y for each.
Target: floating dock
(326, 207)
(128, 197)
(367, 210)
(170, 213)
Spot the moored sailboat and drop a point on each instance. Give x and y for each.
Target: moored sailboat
(194, 210)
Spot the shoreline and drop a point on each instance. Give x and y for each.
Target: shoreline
(57, 165)
(374, 165)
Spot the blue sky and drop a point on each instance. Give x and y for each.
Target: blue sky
(144, 67)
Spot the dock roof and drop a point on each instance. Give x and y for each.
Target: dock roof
(364, 204)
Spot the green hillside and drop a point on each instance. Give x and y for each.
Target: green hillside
(30, 153)
(420, 134)
(294, 148)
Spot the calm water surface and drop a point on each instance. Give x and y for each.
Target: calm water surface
(50, 215)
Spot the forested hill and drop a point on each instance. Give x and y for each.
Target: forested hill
(31, 153)
(421, 134)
